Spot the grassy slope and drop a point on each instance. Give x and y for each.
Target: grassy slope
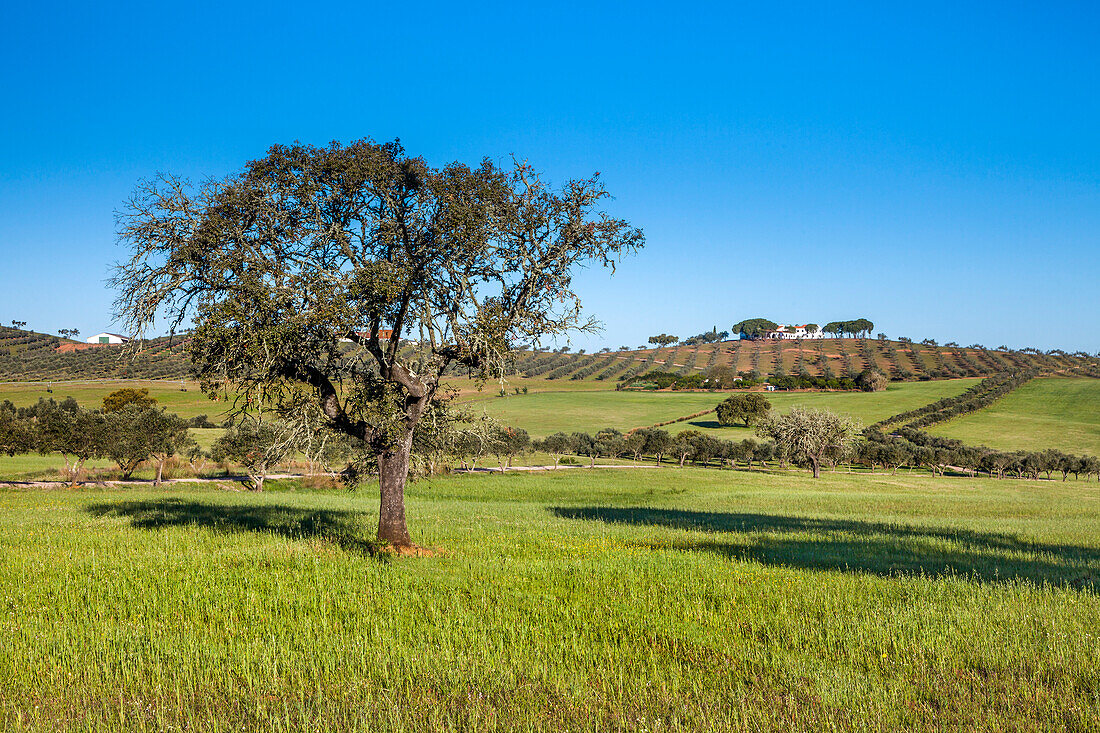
(545, 413)
(700, 600)
(1045, 413)
(185, 404)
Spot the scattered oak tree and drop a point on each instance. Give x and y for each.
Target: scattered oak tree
(663, 339)
(306, 247)
(748, 408)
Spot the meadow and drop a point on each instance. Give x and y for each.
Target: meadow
(181, 397)
(545, 409)
(548, 412)
(570, 600)
(1054, 412)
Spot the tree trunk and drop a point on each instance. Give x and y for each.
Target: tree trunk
(817, 467)
(393, 471)
(160, 473)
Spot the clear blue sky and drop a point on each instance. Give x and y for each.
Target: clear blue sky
(933, 167)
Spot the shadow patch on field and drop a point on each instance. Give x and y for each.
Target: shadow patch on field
(712, 425)
(341, 528)
(866, 547)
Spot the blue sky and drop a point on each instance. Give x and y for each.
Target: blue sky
(934, 168)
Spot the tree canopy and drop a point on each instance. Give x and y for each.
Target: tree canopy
(749, 408)
(754, 327)
(809, 436)
(418, 268)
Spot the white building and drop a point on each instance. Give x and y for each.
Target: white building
(792, 333)
(108, 338)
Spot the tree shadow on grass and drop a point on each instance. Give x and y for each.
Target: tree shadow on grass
(341, 528)
(713, 425)
(865, 547)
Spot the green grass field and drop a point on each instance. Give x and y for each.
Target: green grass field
(549, 412)
(188, 403)
(579, 600)
(1055, 412)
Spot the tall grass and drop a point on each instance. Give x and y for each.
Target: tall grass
(572, 600)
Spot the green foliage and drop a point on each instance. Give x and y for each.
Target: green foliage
(255, 445)
(138, 433)
(754, 328)
(749, 408)
(663, 339)
(126, 397)
(308, 247)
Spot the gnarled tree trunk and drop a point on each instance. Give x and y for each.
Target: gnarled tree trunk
(393, 471)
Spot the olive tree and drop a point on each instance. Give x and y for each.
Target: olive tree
(808, 436)
(138, 434)
(309, 248)
(256, 446)
(16, 433)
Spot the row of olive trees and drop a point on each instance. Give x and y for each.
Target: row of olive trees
(916, 449)
(128, 436)
(131, 430)
(657, 444)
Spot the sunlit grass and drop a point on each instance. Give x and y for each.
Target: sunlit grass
(687, 599)
(1055, 412)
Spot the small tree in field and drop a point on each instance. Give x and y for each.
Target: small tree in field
(139, 434)
(808, 437)
(749, 408)
(634, 444)
(308, 247)
(557, 445)
(509, 442)
(255, 446)
(16, 434)
(658, 442)
(872, 380)
(584, 444)
(120, 399)
(78, 434)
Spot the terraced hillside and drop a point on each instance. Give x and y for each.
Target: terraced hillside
(28, 356)
(902, 361)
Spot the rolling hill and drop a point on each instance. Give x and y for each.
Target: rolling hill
(30, 356)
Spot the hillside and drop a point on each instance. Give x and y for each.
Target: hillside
(29, 356)
(902, 361)
(1044, 413)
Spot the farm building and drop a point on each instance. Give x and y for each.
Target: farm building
(108, 338)
(792, 333)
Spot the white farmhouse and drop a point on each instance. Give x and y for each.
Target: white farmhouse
(792, 333)
(108, 338)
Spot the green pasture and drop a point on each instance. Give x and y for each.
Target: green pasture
(648, 599)
(550, 412)
(1054, 412)
(189, 403)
